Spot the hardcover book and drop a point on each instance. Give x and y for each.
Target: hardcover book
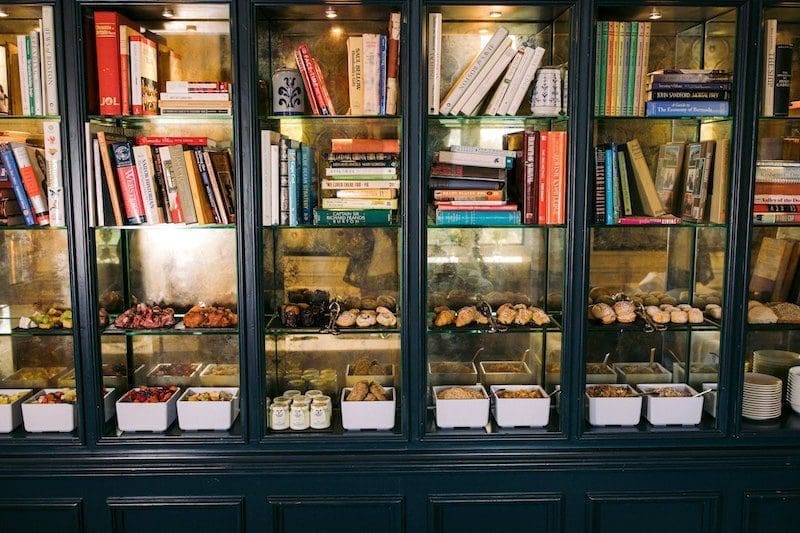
(668, 176)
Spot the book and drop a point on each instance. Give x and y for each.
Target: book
(649, 221)
(129, 183)
(445, 170)
(201, 202)
(54, 180)
(114, 190)
(392, 63)
(355, 74)
(359, 184)
(631, 69)
(488, 65)
(482, 150)
(294, 181)
(5, 89)
(465, 183)
(31, 182)
(725, 86)
(176, 212)
(776, 208)
(599, 184)
(544, 177)
(768, 67)
(771, 260)
(148, 82)
(182, 86)
(776, 218)
(602, 67)
(14, 88)
(49, 65)
(525, 80)
(358, 203)
(718, 206)
(382, 75)
(626, 208)
(687, 108)
(475, 206)
(173, 156)
(776, 198)
(684, 75)
(212, 193)
(668, 176)
(352, 217)
(145, 170)
(688, 94)
(284, 204)
(364, 193)
(598, 46)
(160, 140)
(614, 191)
(389, 172)
(270, 172)
(434, 62)
(557, 156)
(476, 160)
(224, 202)
(505, 83)
(487, 78)
(223, 170)
(372, 74)
(323, 86)
(94, 181)
(648, 196)
(525, 185)
(386, 146)
(194, 97)
(25, 75)
(161, 184)
(34, 39)
(458, 195)
(478, 218)
(314, 84)
(783, 80)
(699, 166)
(15, 179)
(107, 39)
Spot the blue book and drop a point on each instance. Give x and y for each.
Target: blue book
(294, 188)
(308, 199)
(610, 186)
(10, 165)
(382, 82)
(687, 108)
(478, 218)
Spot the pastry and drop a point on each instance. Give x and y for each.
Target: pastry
(604, 313)
(535, 393)
(377, 390)
(466, 316)
(386, 301)
(678, 317)
(695, 316)
(385, 317)
(358, 392)
(524, 315)
(761, 314)
(444, 317)
(714, 311)
(787, 313)
(369, 303)
(506, 314)
(684, 307)
(460, 393)
(650, 300)
(597, 292)
(369, 397)
(753, 303)
(347, 319)
(652, 310)
(143, 316)
(366, 319)
(625, 311)
(661, 317)
(539, 317)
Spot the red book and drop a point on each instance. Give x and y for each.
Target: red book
(301, 65)
(557, 156)
(107, 42)
(651, 221)
(323, 87)
(452, 207)
(544, 177)
(525, 185)
(33, 187)
(129, 183)
(777, 188)
(382, 146)
(771, 208)
(154, 140)
(126, 33)
(313, 78)
(449, 195)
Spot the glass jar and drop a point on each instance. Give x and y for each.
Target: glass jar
(291, 393)
(300, 416)
(278, 416)
(281, 400)
(297, 384)
(320, 417)
(312, 394)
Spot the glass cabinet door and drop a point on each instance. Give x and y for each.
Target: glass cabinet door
(657, 219)
(495, 161)
(37, 360)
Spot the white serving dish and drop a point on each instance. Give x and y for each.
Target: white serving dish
(146, 416)
(217, 416)
(696, 379)
(488, 377)
(452, 378)
(386, 380)
(614, 411)
(461, 413)
(662, 375)
(214, 380)
(43, 417)
(710, 399)
(108, 402)
(686, 411)
(368, 415)
(11, 413)
(169, 380)
(520, 412)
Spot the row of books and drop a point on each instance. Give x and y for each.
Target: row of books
(289, 180)
(775, 274)
(206, 97)
(690, 183)
(154, 180)
(777, 191)
(523, 183)
(28, 71)
(132, 65)
(777, 78)
(623, 51)
(499, 65)
(688, 92)
(373, 63)
(31, 186)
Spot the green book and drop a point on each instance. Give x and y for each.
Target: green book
(603, 67)
(632, 69)
(624, 54)
(598, 47)
(352, 217)
(625, 188)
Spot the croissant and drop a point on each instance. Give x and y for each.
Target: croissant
(539, 317)
(506, 314)
(445, 317)
(466, 316)
(524, 315)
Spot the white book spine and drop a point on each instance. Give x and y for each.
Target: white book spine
(476, 160)
(371, 72)
(275, 163)
(770, 42)
(434, 62)
(466, 78)
(359, 184)
(91, 176)
(54, 180)
(530, 72)
(488, 81)
(505, 103)
(195, 97)
(645, 62)
(49, 59)
(37, 73)
(96, 211)
(480, 150)
(360, 171)
(458, 107)
(24, 86)
(502, 87)
(144, 168)
(266, 182)
(355, 57)
(136, 73)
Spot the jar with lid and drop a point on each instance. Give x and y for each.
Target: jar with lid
(291, 393)
(300, 415)
(278, 416)
(320, 417)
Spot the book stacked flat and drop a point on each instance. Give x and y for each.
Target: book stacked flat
(689, 92)
(373, 62)
(499, 65)
(361, 183)
(690, 184)
(25, 182)
(288, 179)
(153, 180)
(28, 71)
(777, 79)
(204, 97)
(777, 195)
(623, 52)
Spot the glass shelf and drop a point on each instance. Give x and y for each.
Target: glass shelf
(473, 329)
(274, 327)
(111, 330)
(662, 226)
(492, 226)
(19, 118)
(639, 324)
(166, 227)
(33, 228)
(788, 421)
(38, 332)
(334, 226)
(487, 121)
(140, 120)
(333, 118)
(773, 327)
(795, 117)
(701, 120)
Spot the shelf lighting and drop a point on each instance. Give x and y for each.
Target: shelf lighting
(495, 14)
(336, 31)
(483, 31)
(167, 12)
(655, 14)
(331, 13)
(3, 13)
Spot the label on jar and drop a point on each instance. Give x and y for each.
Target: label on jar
(279, 417)
(319, 417)
(300, 418)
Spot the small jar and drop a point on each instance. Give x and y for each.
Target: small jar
(328, 403)
(297, 384)
(313, 394)
(291, 393)
(320, 417)
(283, 400)
(278, 417)
(300, 398)
(327, 372)
(300, 416)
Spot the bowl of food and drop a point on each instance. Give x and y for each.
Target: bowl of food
(370, 370)
(147, 408)
(505, 373)
(465, 406)
(208, 408)
(671, 404)
(613, 405)
(51, 410)
(453, 373)
(520, 405)
(168, 374)
(219, 375)
(10, 408)
(368, 405)
(636, 373)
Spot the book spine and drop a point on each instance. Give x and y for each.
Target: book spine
(10, 166)
(477, 160)
(49, 63)
(645, 65)
(718, 207)
(33, 186)
(354, 217)
(487, 81)
(776, 208)
(382, 75)
(384, 146)
(366, 193)
(611, 80)
(149, 76)
(630, 90)
(478, 218)
(682, 108)
(360, 184)
(129, 183)
(777, 199)
(161, 185)
(392, 63)
(266, 181)
(457, 195)
(283, 182)
(306, 184)
(145, 172)
(275, 172)
(174, 204)
(36, 72)
(179, 86)
(558, 178)
(610, 185)
(134, 86)
(627, 210)
(598, 47)
(777, 188)
(110, 178)
(180, 173)
(360, 171)
(221, 165)
(526, 81)
(201, 203)
(128, 67)
(690, 95)
(194, 97)
(544, 177)
(770, 42)
(23, 76)
(358, 203)
(504, 85)
(165, 141)
(638, 75)
(460, 104)
(434, 62)
(304, 73)
(776, 218)
(651, 221)
(783, 80)
(617, 190)
(624, 51)
(599, 186)
(603, 68)
(480, 150)
(227, 209)
(323, 87)
(355, 74)
(473, 206)
(673, 86)
(217, 210)
(106, 28)
(764, 173)
(54, 180)
(531, 187)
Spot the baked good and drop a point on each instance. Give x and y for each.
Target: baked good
(714, 311)
(506, 314)
(761, 314)
(678, 317)
(366, 319)
(466, 316)
(604, 313)
(385, 317)
(444, 317)
(460, 393)
(358, 392)
(695, 316)
(524, 315)
(539, 317)
(787, 313)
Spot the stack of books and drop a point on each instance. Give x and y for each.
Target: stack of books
(206, 97)
(289, 180)
(515, 68)
(361, 183)
(623, 51)
(373, 62)
(777, 195)
(690, 183)
(777, 80)
(31, 192)
(689, 92)
(153, 179)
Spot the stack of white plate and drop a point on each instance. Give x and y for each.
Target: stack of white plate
(775, 362)
(793, 389)
(763, 395)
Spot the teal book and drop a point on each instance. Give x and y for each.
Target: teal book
(632, 69)
(610, 186)
(478, 218)
(307, 185)
(352, 217)
(294, 187)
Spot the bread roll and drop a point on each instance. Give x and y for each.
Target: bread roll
(760, 314)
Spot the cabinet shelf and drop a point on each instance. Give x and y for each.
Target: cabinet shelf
(166, 227)
(334, 226)
(114, 331)
(330, 118)
(687, 119)
(639, 324)
(660, 226)
(773, 327)
(29, 118)
(553, 327)
(493, 121)
(496, 226)
(134, 121)
(274, 327)
(33, 228)
(38, 332)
